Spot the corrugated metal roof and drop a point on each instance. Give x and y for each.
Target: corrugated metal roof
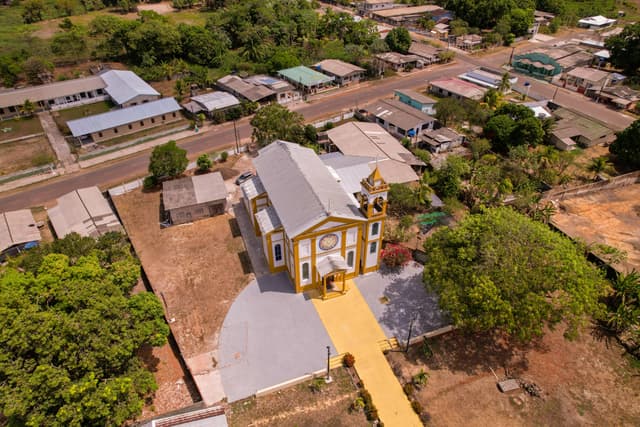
(301, 188)
(84, 211)
(50, 91)
(193, 190)
(330, 264)
(268, 220)
(124, 85)
(416, 96)
(252, 188)
(216, 100)
(337, 67)
(305, 76)
(247, 90)
(17, 227)
(122, 116)
(399, 114)
(460, 87)
(409, 10)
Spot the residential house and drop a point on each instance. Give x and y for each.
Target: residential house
(126, 89)
(469, 42)
(409, 16)
(18, 231)
(399, 118)
(416, 100)
(285, 93)
(539, 108)
(540, 19)
(428, 53)
(596, 22)
(572, 129)
(487, 77)
(125, 121)
(456, 88)
(84, 211)
(581, 78)
(619, 97)
(366, 7)
(246, 90)
(440, 31)
(194, 197)
(536, 65)
(441, 139)
(307, 80)
(370, 140)
(310, 225)
(397, 61)
(343, 73)
(210, 102)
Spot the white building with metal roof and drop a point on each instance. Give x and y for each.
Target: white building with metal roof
(18, 231)
(123, 121)
(127, 89)
(84, 211)
(311, 226)
(212, 101)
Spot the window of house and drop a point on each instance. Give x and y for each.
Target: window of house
(174, 114)
(115, 130)
(375, 228)
(350, 258)
(153, 120)
(100, 134)
(163, 117)
(12, 109)
(141, 122)
(130, 127)
(373, 247)
(277, 249)
(305, 271)
(1, 110)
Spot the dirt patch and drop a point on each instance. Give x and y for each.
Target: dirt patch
(300, 406)
(584, 382)
(160, 8)
(609, 216)
(25, 154)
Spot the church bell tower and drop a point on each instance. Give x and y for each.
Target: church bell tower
(373, 195)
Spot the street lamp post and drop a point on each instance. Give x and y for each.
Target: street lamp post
(328, 377)
(528, 86)
(413, 319)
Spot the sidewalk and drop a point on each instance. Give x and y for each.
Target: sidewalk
(57, 140)
(353, 328)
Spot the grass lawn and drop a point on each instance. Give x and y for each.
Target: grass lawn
(83, 111)
(300, 406)
(15, 128)
(20, 155)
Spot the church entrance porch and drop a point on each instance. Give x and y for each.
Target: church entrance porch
(331, 272)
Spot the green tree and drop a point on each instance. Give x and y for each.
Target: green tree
(65, 7)
(9, 70)
(71, 44)
(492, 98)
(505, 83)
(402, 199)
(204, 163)
(449, 111)
(71, 332)
(35, 67)
(501, 270)
(448, 179)
(479, 147)
(32, 11)
(203, 46)
(276, 122)
(521, 21)
(598, 165)
(626, 147)
(27, 108)
(624, 305)
(399, 40)
(625, 49)
(499, 129)
(168, 161)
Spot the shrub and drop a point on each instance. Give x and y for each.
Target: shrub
(395, 255)
(349, 360)
(416, 406)
(149, 182)
(372, 413)
(224, 156)
(420, 379)
(426, 349)
(357, 405)
(328, 126)
(317, 385)
(408, 389)
(204, 163)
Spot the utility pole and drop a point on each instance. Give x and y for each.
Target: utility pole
(235, 134)
(328, 377)
(413, 319)
(511, 56)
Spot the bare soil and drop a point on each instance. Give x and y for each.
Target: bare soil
(20, 155)
(588, 381)
(299, 406)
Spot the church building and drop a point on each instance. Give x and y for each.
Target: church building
(310, 224)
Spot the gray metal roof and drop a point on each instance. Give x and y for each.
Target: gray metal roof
(268, 220)
(17, 227)
(252, 92)
(50, 91)
(193, 190)
(216, 100)
(124, 85)
(122, 116)
(252, 187)
(399, 114)
(416, 96)
(300, 187)
(84, 211)
(337, 67)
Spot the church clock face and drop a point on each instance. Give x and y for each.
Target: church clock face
(328, 241)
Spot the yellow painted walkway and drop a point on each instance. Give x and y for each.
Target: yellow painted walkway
(354, 329)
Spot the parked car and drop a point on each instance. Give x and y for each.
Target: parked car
(243, 177)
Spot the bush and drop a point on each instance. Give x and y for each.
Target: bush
(349, 360)
(357, 405)
(204, 163)
(224, 156)
(408, 389)
(372, 413)
(426, 349)
(395, 255)
(416, 406)
(420, 379)
(317, 385)
(149, 182)
(328, 126)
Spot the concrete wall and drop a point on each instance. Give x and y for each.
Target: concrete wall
(135, 126)
(141, 99)
(619, 181)
(193, 213)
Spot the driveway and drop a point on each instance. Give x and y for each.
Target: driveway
(270, 335)
(406, 297)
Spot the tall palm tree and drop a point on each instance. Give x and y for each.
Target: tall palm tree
(598, 165)
(504, 85)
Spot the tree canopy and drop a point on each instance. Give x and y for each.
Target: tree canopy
(626, 147)
(512, 125)
(625, 49)
(70, 330)
(168, 160)
(399, 40)
(501, 270)
(277, 122)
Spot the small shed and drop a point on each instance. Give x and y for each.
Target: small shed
(195, 197)
(18, 231)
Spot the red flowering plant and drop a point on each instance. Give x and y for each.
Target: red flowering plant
(395, 255)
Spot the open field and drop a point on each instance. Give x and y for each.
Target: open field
(300, 406)
(20, 155)
(609, 216)
(588, 381)
(18, 127)
(64, 116)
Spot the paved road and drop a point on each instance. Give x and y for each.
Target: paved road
(120, 171)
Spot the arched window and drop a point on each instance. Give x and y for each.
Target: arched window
(373, 248)
(375, 228)
(277, 249)
(305, 271)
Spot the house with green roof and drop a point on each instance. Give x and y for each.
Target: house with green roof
(537, 64)
(306, 79)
